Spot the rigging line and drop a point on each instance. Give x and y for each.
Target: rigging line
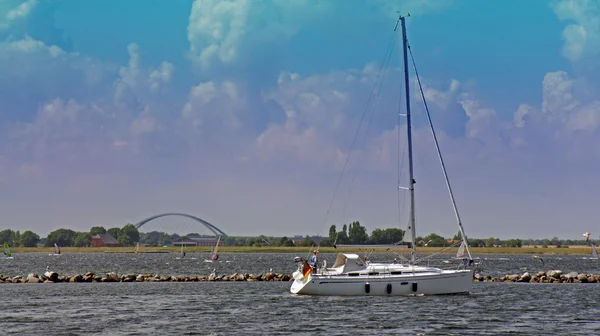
(429, 256)
(357, 132)
(372, 114)
(437, 146)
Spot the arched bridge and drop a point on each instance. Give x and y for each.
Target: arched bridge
(211, 227)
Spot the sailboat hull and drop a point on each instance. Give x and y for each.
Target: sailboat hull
(438, 283)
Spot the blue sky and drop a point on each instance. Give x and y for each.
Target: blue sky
(243, 112)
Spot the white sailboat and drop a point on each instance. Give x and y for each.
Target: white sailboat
(215, 252)
(594, 252)
(353, 275)
(182, 253)
(56, 251)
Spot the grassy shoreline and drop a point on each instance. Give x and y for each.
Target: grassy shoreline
(576, 250)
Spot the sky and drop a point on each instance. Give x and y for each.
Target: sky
(243, 113)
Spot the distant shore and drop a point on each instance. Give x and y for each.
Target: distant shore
(579, 250)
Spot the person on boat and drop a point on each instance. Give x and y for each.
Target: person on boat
(312, 261)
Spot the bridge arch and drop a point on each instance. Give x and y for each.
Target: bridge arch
(211, 227)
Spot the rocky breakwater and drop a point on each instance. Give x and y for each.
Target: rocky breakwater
(53, 277)
(555, 276)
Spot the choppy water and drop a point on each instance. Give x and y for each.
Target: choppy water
(261, 308)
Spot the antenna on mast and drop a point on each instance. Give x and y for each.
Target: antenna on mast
(400, 17)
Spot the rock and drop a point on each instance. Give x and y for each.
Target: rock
(33, 278)
(512, 277)
(525, 277)
(112, 277)
(51, 276)
(554, 274)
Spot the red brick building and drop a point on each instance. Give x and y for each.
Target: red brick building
(105, 240)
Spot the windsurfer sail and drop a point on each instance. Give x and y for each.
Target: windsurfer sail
(56, 249)
(461, 250)
(7, 252)
(215, 254)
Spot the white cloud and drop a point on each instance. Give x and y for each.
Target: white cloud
(22, 10)
(215, 28)
(582, 38)
(439, 98)
(214, 104)
(161, 76)
(218, 30)
(483, 121)
(143, 124)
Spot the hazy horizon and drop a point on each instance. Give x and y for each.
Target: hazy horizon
(242, 113)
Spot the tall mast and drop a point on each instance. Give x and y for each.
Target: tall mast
(411, 179)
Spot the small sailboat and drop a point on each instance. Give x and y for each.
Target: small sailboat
(56, 251)
(7, 253)
(182, 253)
(353, 275)
(214, 255)
(594, 252)
(136, 249)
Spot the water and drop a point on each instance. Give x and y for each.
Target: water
(267, 308)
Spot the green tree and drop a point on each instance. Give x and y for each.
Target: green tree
(29, 239)
(387, 236)
(308, 241)
(115, 232)
(490, 242)
(332, 233)
(357, 233)
(7, 236)
(128, 235)
(434, 240)
(283, 241)
(17, 238)
(342, 236)
(82, 239)
(61, 237)
(512, 243)
(97, 230)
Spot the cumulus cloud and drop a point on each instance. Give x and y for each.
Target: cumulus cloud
(582, 37)
(223, 32)
(214, 104)
(22, 10)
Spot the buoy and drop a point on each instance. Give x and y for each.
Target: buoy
(389, 288)
(367, 288)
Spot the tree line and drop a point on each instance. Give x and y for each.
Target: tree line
(353, 233)
(128, 235)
